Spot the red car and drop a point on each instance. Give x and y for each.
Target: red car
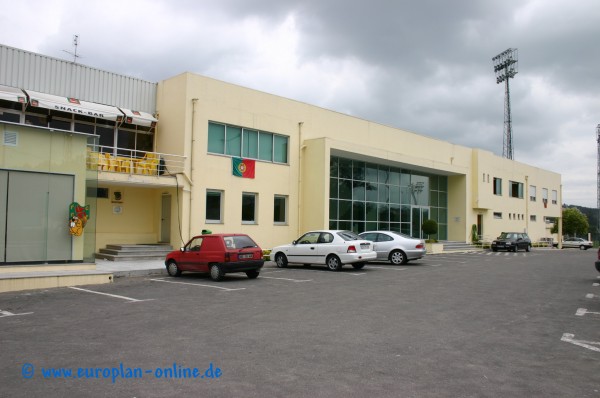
(217, 254)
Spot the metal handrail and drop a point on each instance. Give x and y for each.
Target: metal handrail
(131, 161)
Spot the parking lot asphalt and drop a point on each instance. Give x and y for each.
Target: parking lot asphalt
(470, 325)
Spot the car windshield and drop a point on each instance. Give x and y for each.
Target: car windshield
(506, 235)
(238, 242)
(349, 235)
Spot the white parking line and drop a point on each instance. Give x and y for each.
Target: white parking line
(198, 284)
(324, 271)
(583, 311)
(595, 284)
(590, 296)
(286, 279)
(389, 268)
(6, 313)
(110, 295)
(590, 345)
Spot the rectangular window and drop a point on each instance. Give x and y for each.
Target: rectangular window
(532, 193)
(497, 186)
(280, 210)
(532, 218)
(498, 215)
(516, 189)
(214, 206)
(265, 146)
(237, 141)
(233, 137)
(250, 144)
(280, 148)
(554, 197)
(248, 208)
(545, 196)
(216, 138)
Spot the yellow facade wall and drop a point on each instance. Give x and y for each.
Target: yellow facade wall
(186, 103)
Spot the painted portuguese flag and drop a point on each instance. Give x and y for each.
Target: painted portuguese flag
(243, 167)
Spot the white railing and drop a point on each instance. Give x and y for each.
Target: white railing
(129, 161)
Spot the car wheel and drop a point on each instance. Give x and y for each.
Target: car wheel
(281, 260)
(252, 274)
(515, 249)
(358, 265)
(528, 248)
(216, 273)
(334, 263)
(582, 247)
(173, 269)
(494, 250)
(398, 257)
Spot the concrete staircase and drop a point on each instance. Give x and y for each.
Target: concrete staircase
(116, 252)
(457, 247)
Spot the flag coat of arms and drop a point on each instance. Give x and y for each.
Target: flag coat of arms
(243, 167)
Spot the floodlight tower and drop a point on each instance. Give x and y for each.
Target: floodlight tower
(598, 174)
(505, 66)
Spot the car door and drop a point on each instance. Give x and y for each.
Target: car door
(381, 243)
(383, 246)
(520, 243)
(191, 257)
(304, 251)
(325, 246)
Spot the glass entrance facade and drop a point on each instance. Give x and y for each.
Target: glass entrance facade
(367, 196)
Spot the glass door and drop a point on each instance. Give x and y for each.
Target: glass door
(418, 215)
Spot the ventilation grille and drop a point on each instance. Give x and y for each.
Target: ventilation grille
(10, 138)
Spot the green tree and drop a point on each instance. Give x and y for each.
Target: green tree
(574, 223)
(429, 227)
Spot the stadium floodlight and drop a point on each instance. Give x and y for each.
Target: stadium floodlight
(505, 67)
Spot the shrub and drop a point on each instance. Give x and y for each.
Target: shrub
(429, 227)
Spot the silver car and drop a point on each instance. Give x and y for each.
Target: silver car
(582, 244)
(395, 247)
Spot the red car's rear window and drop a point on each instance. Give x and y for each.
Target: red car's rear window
(238, 242)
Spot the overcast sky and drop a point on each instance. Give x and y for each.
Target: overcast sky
(423, 65)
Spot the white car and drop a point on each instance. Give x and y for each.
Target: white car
(330, 247)
(395, 247)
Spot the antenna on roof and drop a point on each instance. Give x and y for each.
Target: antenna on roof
(74, 53)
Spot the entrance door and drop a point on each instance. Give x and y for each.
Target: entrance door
(165, 219)
(34, 217)
(480, 226)
(419, 214)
